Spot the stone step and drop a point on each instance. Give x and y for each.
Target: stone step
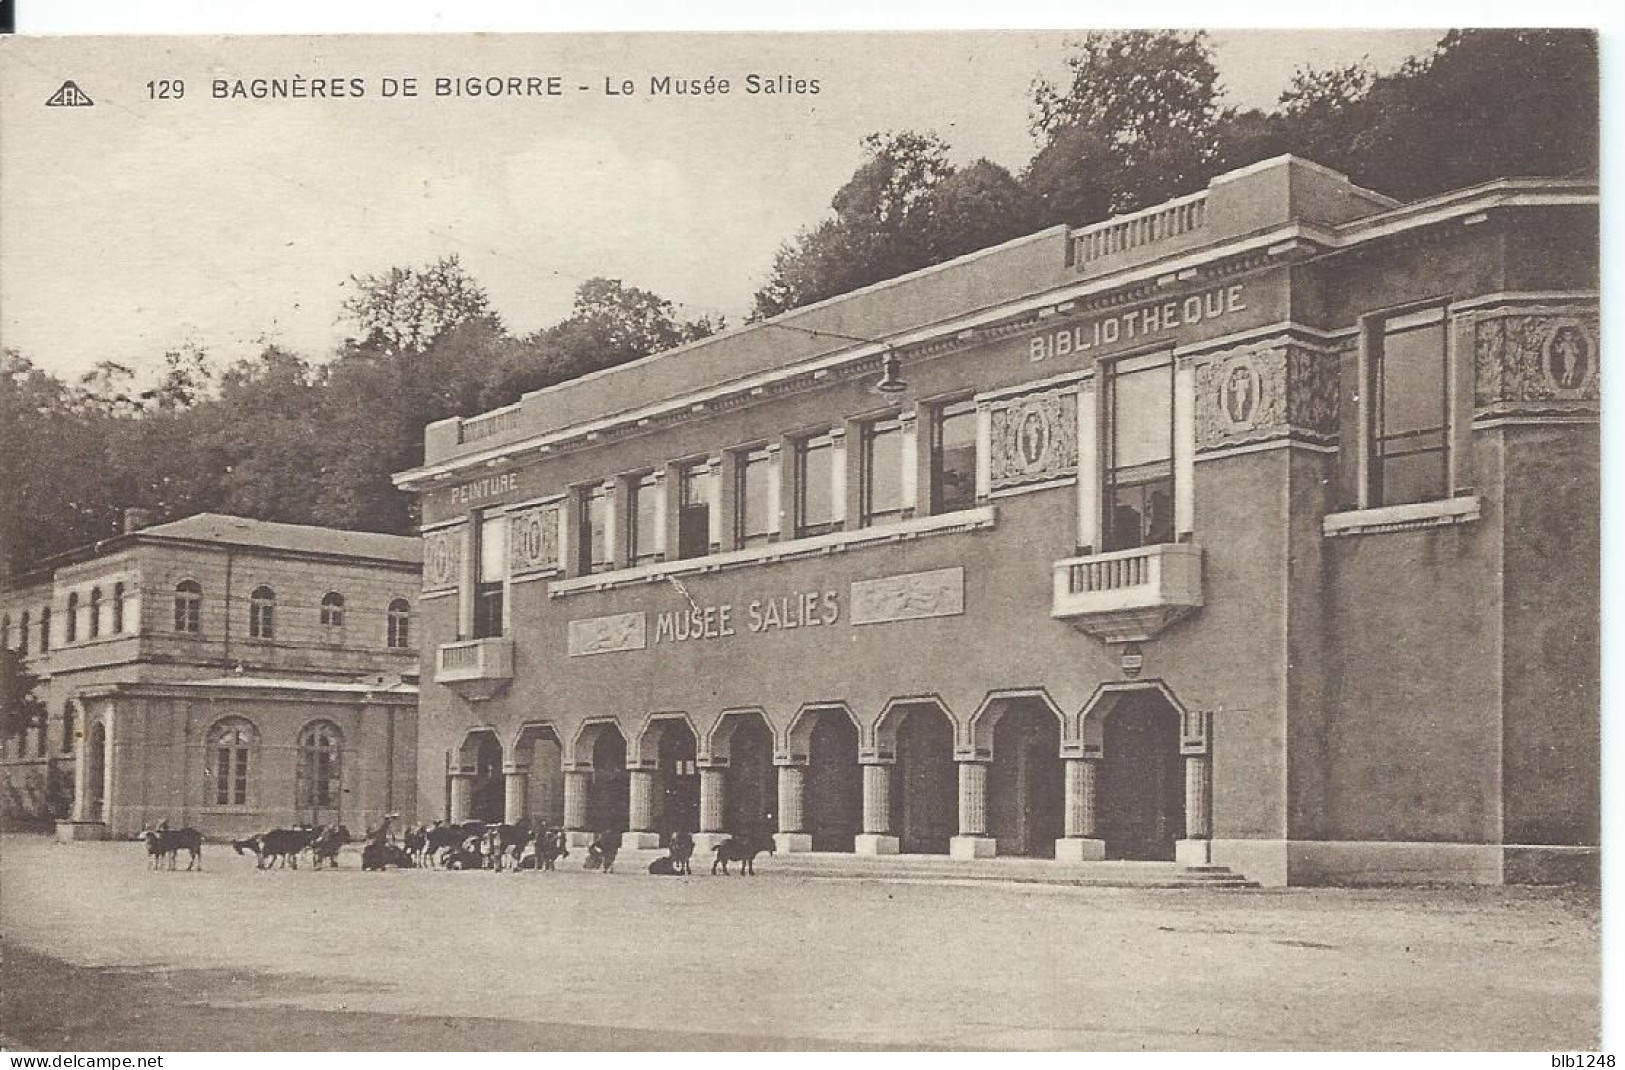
(918, 868)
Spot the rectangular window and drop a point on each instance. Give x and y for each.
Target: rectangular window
(696, 486)
(596, 549)
(883, 472)
(1410, 424)
(755, 524)
(491, 576)
(953, 457)
(815, 486)
(1139, 488)
(643, 534)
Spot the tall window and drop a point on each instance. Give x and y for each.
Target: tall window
(5, 631)
(231, 744)
(400, 624)
(262, 613)
(643, 534)
(953, 457)
(815, 487)
(68, 722)
(118, 609)
(22, 633)
(1410, 441)
(71, 633)
(188, 607)
(597, 550)
(95, 612)
(696, 485)
(755, 524)
(883, 472)
(1139, 474)
(45, 630)
(319, 779)
(332, 610)
(491, 576)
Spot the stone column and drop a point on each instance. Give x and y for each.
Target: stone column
(1080, 843)
(792, 810)
(462, 796)
(876, 838)
(81, 774)
(640, 808)
(1196, 848)
(575, 798)
(515, 782)
(973, 841)
(712, 780)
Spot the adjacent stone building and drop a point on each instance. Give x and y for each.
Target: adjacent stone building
(1260, 527)
(218, 672)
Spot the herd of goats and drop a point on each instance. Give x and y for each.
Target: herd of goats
(445, 845)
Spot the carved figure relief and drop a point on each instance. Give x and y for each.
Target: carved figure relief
(443, 558)
(533, 539)
(1532, 359)
(604, 635)
(938, 593)
(1034, 438)
(1270, 391)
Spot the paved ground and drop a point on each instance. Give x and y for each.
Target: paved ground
(101, 953)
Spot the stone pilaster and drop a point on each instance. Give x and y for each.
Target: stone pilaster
(711, 786)
(973, 840)
(1195, 848)
(1080, 844)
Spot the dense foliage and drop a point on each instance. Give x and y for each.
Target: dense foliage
(1139, 119)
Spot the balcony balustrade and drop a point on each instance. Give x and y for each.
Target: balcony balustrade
(1127, 596)
(476, 669)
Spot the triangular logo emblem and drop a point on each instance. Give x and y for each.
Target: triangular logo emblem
(70, 96)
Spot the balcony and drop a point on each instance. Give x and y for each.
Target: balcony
(477, 669)
(1129, 595)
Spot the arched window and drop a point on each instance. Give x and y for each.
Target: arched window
(400, 624)
(332, 610)
(72, 633)
(118, 609)
(321, 766)
(262, 613)
(189, 607)
(95, 612)
(45, 630)
(231, 744)
(22, 634)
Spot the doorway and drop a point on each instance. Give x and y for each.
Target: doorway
(1141, 796)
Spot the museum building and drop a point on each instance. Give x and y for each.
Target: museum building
(229, 674)
(1258, 528)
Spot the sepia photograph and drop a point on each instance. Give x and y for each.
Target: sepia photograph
(985, 540)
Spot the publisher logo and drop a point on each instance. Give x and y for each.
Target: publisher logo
(70, 96)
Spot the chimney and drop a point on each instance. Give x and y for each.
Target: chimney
(136, 519)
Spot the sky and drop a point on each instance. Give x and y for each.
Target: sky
(140, 224)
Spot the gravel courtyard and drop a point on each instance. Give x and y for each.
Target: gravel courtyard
(102, 953)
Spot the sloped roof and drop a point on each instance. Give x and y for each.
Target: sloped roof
(297, 538)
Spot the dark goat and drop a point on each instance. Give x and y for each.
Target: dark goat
(167, 843)
(742, 850)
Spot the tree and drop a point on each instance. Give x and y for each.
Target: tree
(1146, 99)
(20, 708)
(405, 308)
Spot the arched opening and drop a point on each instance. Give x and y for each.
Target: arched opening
(1141, 794)
(925, 784)
(541, 754)
(319, 775)
(750, 786)
(482, 754)
(96, 773)
(677, 779)
(1026, 790)
(607, 793)
(834, 784)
